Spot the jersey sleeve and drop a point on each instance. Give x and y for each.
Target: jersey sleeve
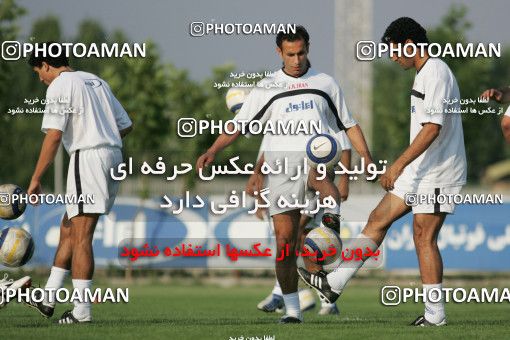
(58, 99)
(438, 92)
(263, 146)
(343, 140)
(340, 117)
(121, 117)
(254, 107)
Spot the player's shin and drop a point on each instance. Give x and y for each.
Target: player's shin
(55, 281)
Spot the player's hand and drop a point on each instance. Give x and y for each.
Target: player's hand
(255, 183)
(261, 213)
(495, 94)
(205, 160)
(34, 189)
(390, 176)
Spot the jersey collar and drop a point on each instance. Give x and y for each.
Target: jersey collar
(423, 65)
(288, 75)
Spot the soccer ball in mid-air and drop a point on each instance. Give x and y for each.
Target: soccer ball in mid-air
(325, 245)
(235, 98)
(10, 208)
(323, 149)
(16, 247)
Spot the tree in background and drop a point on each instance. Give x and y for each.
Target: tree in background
(9, 13)
(142, 86)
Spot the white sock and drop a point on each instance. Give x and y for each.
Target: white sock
(434, 311)
(292, 305)
(339, 277)
(277, 290)
(82, 310)
(55, 281)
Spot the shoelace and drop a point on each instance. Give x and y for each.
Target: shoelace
(6, 279)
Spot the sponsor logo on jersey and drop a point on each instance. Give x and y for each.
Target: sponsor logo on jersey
(297, 86)
(303, 105)
(92, 82)
(413, 109)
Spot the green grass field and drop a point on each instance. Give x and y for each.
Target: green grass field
(210, 312)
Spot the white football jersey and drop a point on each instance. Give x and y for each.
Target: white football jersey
(434, 99)
(83, 107)
(312, 97)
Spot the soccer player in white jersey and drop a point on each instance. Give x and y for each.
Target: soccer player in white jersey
(502, 96)
(433, 164)
(92, 135)
(307, 95)
(274, 301)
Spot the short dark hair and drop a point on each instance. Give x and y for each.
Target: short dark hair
(55, 60)
(405, 28)
(300, 34)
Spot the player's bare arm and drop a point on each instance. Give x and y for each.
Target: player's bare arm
(501, 95)
(423, 140)
(359, 143)
(256, 180)
(48, 151)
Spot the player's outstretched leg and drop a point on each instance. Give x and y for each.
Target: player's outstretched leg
(330, 286)
(319, 282)
(7, 285)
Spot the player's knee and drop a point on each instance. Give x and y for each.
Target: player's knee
(283, 241)
(65, 234)
(422, 235)
(80, 240)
